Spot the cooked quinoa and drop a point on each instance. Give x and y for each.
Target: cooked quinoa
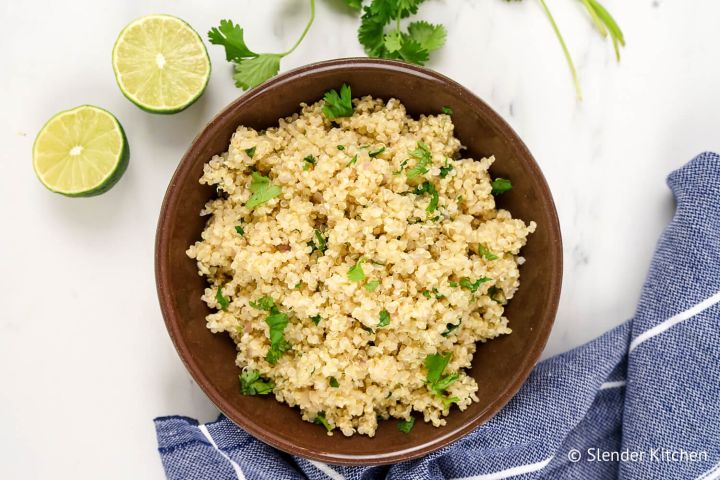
(374, 264)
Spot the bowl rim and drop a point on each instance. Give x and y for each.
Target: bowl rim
(184, 351)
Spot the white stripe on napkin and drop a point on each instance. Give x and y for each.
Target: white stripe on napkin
(674, 320)
(511, 472)
(234, 465)
(327, 470)
(616, 384)
(712, 474)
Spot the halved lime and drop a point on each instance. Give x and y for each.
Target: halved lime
(161, 63)
(81, 152)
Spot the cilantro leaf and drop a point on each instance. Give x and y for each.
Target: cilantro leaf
(253, 71)
(318, 242)
(429, 37)
(384, 318)
(316, 319)
(334, 383)
(354, 4)
(435, 364)
(340, 147)
(412, 52)
(352, 161)
(375, 153)
(310, 161)
(252, 384)
(450, 327)
(262, 191)
(372, 285)
(276, 322)
(223, 301)
(500, 186)
(439, 383)
(240, 230)
(493, 294)
(447, 110)
(453, 284)
(485, 252)
(356, 273)
(250, 151)
(321, 420)
(393, 41)
(263, 303)
(230, 36)
(402, 165)
(406, 425)
(473, 286)
(446, 169)
(427, 187)
(424, 158)
(338, 105)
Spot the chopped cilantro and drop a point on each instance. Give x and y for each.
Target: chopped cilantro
(485, 252)
(240, 230)
(338, 105)
(426, 293)
(473, 286)
(251, 383)
(372, 285)
(427, 187)
(424, 158)
(352, 161)
(450, 327)
(453, 284)
(263, 303)
(310, 161)
(276, 321)
(321, 420)
(316, 319)
(222, 300)
(447, 110)
(250, 152)
(298, 285)
(493, 294)
(439, 383)
(356, 273)
(340, 147)
(377, 152)
(262, 191)
(318, 242)
(384, 318)
(406, 425)
(334, 383)
(402, 165)
(500, 186)
(446, 169)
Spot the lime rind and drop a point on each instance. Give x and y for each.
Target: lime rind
(106, 182)
(161, 109)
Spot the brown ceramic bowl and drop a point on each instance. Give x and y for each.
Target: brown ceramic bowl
(500, 366)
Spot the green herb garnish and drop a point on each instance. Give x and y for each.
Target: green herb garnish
(251, 69)
(352, 161)
(262, 191)
(406, 425)
(333, 382)
(372, 285)
(384, 318)
(473, 286)
(493, 293)
(500, 185)
(446, 169)
(240, 230)
(338, 105)
(316, 319)
(485, 252)
(447, 110)
(310, 161)
(340, 147)
(321, 420)
(426, 293)
(251, 383)
(223, 301)
(427, 187)
(377, 152)
(413, 45)
(356, 273)
(318, 242)
(450, 327)
(250, 152)
(276, 321)
(438, 383)
(402, 165)
(424, 158)
(453, 284)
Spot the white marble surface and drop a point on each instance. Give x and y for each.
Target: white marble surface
(84, 357)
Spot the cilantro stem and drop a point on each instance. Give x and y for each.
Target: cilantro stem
(559, 36)
(304, 32)
(595, 18)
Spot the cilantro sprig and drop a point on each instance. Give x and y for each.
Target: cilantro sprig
(427, 187)
(251, 383)
(406, 425)
(261, 191)
(413, 45)
(424, 158)
(338, 104)
(321, 420)
(500, 186)
(251, 68)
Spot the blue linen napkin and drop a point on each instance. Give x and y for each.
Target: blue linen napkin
(640, 402)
